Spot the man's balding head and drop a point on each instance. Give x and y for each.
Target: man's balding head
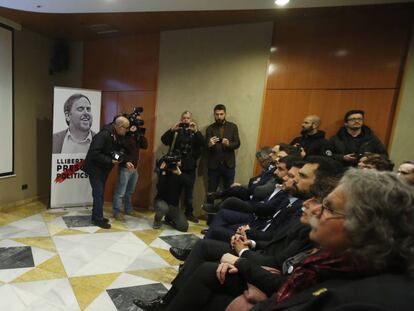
(310, 125)
(121, 125)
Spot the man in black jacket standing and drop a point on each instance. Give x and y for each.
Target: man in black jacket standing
(222, 139)
(99, 162)
(312, 140)
(353, 140)
(185, 138)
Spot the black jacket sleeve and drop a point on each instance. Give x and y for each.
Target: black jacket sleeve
(97, 150)
(254, 274)
(167, 137)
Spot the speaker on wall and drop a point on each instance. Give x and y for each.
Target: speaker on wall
(60, 57)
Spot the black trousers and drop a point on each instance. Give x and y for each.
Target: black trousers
(203, 291)
(203, 251)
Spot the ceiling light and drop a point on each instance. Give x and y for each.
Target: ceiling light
(281, 2)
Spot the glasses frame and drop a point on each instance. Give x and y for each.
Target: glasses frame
(334, 212)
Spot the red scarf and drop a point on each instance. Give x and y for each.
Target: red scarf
(314, 269)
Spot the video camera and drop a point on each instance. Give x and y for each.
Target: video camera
(138, 123)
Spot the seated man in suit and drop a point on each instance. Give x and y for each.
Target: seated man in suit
(357, 267)
(271, 253)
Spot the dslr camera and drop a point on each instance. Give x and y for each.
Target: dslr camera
(171, 160)
(118, 155)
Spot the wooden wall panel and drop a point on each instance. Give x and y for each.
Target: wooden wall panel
(122, 64)
(126, 70)
(329, 65)
(339, 51)
(284, 110)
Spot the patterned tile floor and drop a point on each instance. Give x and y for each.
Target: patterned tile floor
(56, 260)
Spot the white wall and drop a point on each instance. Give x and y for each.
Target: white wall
(200, 68)
(33, 108)
(402, 146)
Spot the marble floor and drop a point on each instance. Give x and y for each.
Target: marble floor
(56, 260)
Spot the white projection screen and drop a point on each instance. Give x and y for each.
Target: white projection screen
(6, 102)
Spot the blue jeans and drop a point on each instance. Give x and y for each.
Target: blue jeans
(125, 187)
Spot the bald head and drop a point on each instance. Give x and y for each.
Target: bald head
(121, 125)
(310, 125)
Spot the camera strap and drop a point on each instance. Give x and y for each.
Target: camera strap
(173, 142)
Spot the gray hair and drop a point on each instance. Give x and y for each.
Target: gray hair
(263, 153)
(380, 219)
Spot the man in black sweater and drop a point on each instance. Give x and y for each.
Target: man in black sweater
(185, 138)
(312, 140)
(171, 182)
(99, 162)
(353, 140)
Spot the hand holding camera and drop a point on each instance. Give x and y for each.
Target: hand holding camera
(214, 140)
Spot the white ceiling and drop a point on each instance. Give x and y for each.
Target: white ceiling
(102, 6)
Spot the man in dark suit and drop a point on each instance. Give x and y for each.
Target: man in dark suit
(78, 136)
(222, 139)
(268, 253)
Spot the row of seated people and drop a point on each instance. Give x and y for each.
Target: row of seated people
(311, 237)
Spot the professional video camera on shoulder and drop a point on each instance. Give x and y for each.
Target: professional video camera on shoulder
(136, 122)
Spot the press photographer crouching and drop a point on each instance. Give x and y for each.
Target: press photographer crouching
(185, 139)
(171, 181)
(105, 151)
(127, 169)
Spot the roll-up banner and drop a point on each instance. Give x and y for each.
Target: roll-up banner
(76, 118)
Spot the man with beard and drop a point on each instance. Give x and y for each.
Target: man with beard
(353, 140)
(270, 253)
(312, 140)
(222, 139)
(78, 136)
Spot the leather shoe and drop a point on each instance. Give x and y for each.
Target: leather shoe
(192, 218)
(210, 208)
(104, 219)
(180, 253)
(102, 224)
(150, 305)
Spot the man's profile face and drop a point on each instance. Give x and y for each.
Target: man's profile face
(355, 121)
(80, 116)
(406, 171)
(328, 228)
(306, 179)
(290, 179)
(307, 125)
(219, 116)
(281, 170)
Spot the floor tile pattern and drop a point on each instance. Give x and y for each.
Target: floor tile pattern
(57, 260)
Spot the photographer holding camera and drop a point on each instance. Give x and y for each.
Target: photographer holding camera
(103, 153)
(171, 181)
(185, 139)
(127, 169)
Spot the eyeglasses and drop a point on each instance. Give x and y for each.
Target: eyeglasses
(355, 119)
(330, 210)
